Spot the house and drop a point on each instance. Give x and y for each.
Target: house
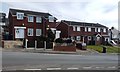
(90, 33)
(25, 24)
(114, 34)
(3, 22)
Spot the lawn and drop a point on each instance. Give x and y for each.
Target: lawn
(109, 49)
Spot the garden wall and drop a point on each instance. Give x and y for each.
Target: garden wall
(65, 48)
(12, 44)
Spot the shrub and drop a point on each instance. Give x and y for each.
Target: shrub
(68, 41)
(59, 40)
(42, 38)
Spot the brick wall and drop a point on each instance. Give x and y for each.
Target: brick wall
(65, 48)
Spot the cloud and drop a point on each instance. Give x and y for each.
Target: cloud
(97, 11)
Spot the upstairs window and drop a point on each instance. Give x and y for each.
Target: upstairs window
(96, 29)
(20, 16)
(38, 20)
(30, 31)
(99, 29)
(104, 30)
(51, 19)
(30, 19)
(38, 32)
(78, 28)
(85, 29)
(89, 29)
(74, 28)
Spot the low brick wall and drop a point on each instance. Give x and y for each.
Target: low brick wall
(12, 44)
(65, 48)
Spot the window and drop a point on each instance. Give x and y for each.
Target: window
(78, 37)
(85, 29)
(78, 28)
(30, 18)
(38, 19)
(89, 29)
(30, 32)
(95, 29)
(51, 19)
(89, 37)
(99, 29)
(20, 15)
(38, 32)
(74, 28)
(104, 30)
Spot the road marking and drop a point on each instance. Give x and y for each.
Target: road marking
(53, 68)
(63, 55)
(87, 67)
(32, 69)
(72, 68)
(112, 67)
(98, 67)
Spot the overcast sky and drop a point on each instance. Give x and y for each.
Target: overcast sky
(104, 12)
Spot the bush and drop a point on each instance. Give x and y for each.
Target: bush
(59, 40)
(68, 41)
(42, 38)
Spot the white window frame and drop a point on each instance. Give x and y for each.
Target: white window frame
(85, 29)
(74, 28)
(78, 28)
(95, 29)
(30, 31)
(89, 37)
(99, 29)
(104, 30)
(20, 16)
(38, 31)
(89, 29)
(30, 18)
(38, 19)
(78, 37)
(51, 19)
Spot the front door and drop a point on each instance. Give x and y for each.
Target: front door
(19, 33)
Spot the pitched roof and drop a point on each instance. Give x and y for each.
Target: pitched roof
(27, 12)
(84, 24)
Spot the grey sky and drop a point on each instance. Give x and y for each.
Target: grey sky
(94, 11)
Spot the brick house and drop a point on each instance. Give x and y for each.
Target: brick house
(29, 24)
(25, 24)
(90, 33)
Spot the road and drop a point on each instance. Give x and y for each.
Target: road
(42, 61)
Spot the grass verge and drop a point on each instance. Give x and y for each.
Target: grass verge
(110, 49)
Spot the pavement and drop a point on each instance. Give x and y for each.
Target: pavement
(50, 51)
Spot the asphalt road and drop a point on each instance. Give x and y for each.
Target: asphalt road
(42, 61)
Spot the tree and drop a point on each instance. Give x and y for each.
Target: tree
(50, 35)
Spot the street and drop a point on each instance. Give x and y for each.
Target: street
(43, 61)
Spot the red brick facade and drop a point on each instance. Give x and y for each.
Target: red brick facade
(14, 22)
(67, 31)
